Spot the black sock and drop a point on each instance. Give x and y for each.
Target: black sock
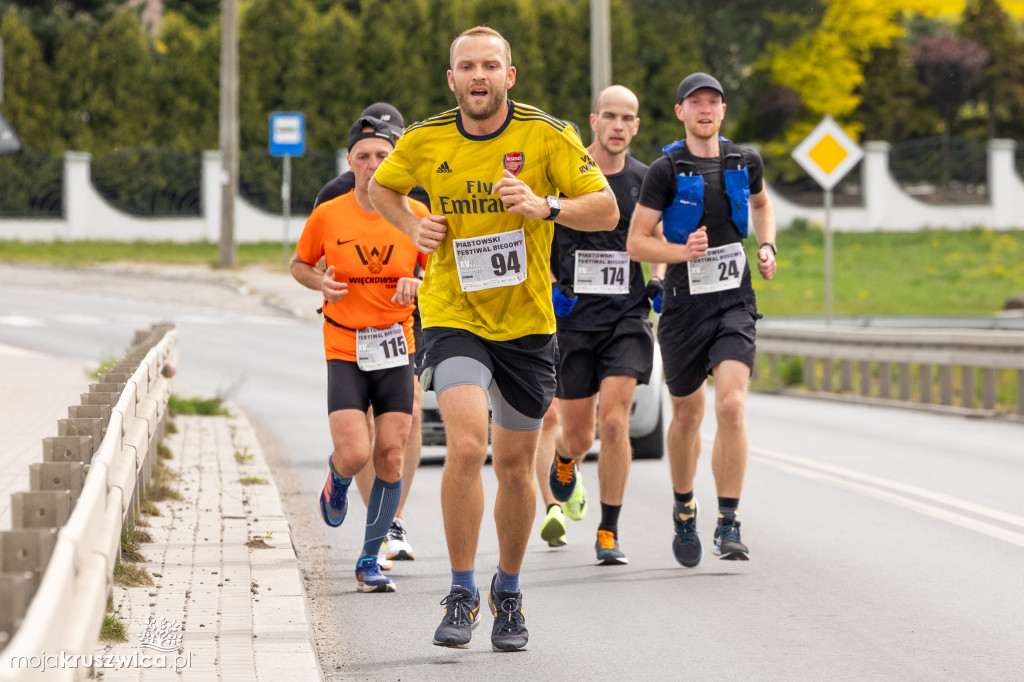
(610, 517)
(683, 498)
(552, 505)
(727, 506)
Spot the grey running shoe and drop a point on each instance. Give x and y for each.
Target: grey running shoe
(461, 615)
(608, 552)
(685, 544)
(727, 540)
(509, 632)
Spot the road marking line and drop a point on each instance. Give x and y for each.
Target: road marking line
(874, 486)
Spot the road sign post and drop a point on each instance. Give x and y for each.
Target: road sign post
(828, 154)
(287, 139)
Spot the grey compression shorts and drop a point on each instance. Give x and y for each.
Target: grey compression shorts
(463, 371)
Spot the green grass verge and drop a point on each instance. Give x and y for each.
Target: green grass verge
(90, 252)
(113, 630)
(211, 407)
(928, 272)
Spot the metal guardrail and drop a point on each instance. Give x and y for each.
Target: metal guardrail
(67, 535)
(947, 367)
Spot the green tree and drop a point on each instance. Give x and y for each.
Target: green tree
(1002, 77)
(29, 93)
(271, 69)
(825, 66)
(186, 82)
(202, 13)
(120, 102)
(660, 65)
(75, 62)
(894, 105)
(47, 18)
(334, 79)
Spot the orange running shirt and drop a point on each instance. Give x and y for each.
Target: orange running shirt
(370, 255)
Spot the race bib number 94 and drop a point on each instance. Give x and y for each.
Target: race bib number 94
(601, 272)
(381, 348)
(721, 268)
(494, 260)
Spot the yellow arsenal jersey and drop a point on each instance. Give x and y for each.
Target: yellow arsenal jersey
(490, 275)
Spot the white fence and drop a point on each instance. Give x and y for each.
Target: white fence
(886, 207)
(67, 610)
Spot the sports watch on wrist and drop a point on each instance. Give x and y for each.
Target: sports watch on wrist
(774, 249)
(556, 207)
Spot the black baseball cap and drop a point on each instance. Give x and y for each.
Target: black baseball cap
(380, 129)
(387, 113)
(696, 81)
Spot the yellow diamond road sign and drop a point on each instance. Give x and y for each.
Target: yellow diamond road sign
(828, 153)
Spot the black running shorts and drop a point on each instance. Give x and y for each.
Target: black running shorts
(586, 358)
(523, 368)
(697, 334)
(387, 390)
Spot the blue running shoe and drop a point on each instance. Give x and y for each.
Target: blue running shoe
(370, 578)
(334, 498)
(685, 544)
(563, 478)
(727, 540)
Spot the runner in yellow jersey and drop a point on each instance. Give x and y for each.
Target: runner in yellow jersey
(494, 170)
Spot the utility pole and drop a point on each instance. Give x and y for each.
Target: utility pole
(227, 256)
(600, 47)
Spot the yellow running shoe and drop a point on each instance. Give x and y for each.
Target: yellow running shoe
(553, 529)
(576, 506)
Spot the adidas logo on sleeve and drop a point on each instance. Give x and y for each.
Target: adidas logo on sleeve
(443, 168)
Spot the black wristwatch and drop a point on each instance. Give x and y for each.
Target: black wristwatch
(556, 207)
(775, 249)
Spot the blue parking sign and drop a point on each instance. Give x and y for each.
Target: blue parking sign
(287, 133)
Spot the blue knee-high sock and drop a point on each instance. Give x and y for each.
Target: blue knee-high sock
(380, 512)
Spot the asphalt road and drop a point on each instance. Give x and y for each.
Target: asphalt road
(885, 543)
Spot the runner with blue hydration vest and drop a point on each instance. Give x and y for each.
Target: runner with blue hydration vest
(708, 192)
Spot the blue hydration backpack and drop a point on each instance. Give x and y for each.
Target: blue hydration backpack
(683, 216)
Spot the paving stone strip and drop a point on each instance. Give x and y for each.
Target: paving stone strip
(225, 572)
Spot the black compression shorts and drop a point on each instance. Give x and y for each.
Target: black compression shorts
(586, 358)
(387, 390)
(523, 368)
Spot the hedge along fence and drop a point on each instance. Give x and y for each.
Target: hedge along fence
(979, 371)
(57, 562)
(157, 182)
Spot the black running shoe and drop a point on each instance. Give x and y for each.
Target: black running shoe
(509, 632)
(727, 540)
(461, 614)
(686, 544)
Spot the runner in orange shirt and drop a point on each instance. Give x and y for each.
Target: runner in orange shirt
(369, 288)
